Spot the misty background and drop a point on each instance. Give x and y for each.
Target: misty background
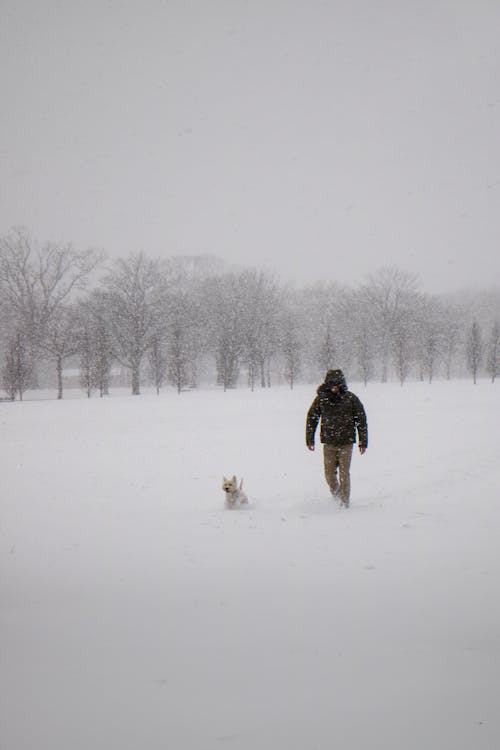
(319, 139)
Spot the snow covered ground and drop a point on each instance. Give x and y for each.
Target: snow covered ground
(138, 613)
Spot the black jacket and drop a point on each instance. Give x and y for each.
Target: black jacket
(342, 415)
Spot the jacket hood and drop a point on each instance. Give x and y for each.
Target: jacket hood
(333, 377)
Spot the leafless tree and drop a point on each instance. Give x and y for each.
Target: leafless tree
(134, 294)
(386, 294)
(224, 321)
(291, 345)
(94, 344)
(17, 369)
(430, 335)
(474, 350)
(261, 300)
(364, 341)
(328, 350)
(365, 353)
(493, 352)
(36, 282)
(190, 330)
(325, 326)
(61, 341)
(157, 363)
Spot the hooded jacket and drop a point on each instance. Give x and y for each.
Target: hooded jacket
(342, 414)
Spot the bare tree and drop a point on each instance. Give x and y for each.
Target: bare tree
(17, 369)
(178, 357)
(134, 293)
(94, 344)
(102, 360)
(261, 303)
(328, 350)
(86, 356)
(36, 282)
(325, 324)
(386, 295)
(405, 330)
(225, 320)
(456, 310)
(363, 337)
(291, 346)
(364, 351)
(429, 335)
(157, 363)
(401, 346)
(61, 341)
(493, 352)
(474, 350)
(182, 329)
(189, 331)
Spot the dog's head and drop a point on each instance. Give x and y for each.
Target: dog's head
(230, 486)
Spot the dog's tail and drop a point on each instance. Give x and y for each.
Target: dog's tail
(241, 484)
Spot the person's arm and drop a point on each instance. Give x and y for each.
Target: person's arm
(361, 424)
(313, 416)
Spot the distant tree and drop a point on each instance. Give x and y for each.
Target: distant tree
(157, 363)
(325, 325)
(182, 342)
(134, 294)
(429, 335)
(493, 352)
(452, 327)
(261, 304)
(9, 372)
(37, 282)
(86, 357)
(328, 350)
(102, 359)
(456, 312)
(225, 324)
(405, 330)
(402, 346)
(61, 341)
(291, 346)
(178, 357)
(386, 295)
(364, 343)
(430, 352)
(474, 350)
(365, 355)
(94, 346)
(17, 368)
(189, 333)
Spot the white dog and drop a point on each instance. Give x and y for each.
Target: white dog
(234, 494)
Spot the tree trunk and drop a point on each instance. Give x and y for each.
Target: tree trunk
(59, 376)
(136, 379)
(262, 373)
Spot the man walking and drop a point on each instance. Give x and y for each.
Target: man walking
(342, 416)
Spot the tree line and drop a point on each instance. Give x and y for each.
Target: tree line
(190, 320)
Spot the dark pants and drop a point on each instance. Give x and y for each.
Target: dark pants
(337, 464)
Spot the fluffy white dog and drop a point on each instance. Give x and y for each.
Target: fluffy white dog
(234, 494)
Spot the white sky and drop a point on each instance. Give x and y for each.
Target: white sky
(321, 138)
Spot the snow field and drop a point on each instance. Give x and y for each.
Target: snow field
(137, 612)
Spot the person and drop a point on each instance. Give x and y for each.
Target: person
(342, 416)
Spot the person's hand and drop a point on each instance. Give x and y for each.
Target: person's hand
(362, 449)
(311, 447)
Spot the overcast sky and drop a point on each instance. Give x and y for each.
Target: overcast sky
(320, 138)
